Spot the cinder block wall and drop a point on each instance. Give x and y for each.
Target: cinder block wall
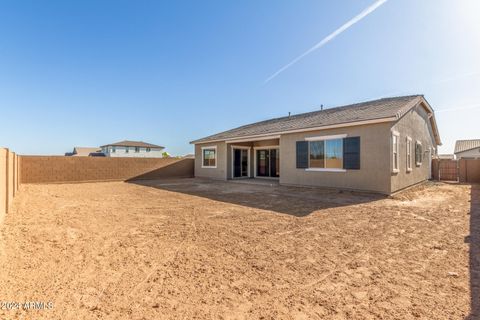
(9, 182)
(59, 169)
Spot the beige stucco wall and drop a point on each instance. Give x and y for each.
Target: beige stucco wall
(374, 174)
(474, 153)
(220, 172)
(416, 125)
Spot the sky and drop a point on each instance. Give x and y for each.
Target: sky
(88, 73)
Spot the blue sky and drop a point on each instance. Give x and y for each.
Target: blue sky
(86, 73)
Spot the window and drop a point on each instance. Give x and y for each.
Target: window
(126, 150)
(409, 154)
(326, 154)
(395, 151)
(137, 149)
(148, 149)
(114, 149)
(418, 153)
(209, 157)
(317, 154)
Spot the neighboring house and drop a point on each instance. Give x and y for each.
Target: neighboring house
(132, 149)
(467, 149)
(86, 152)
(382, 146)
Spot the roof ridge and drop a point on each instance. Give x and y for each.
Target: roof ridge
(327, 112)
(344, 106)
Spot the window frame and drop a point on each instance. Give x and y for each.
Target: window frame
(114, 150)
(409, 154)
(137, 149)
(419, 143)
(325, 139)
(395, 152)
(203, 157)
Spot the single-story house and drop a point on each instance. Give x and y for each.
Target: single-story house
(467, 149)
(86, 152)
(133, 149)
(382, 146)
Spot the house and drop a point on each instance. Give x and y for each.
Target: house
(86, 152)
(382, 146)
(467, 149)
(132, 149)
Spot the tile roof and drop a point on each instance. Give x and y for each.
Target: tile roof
(127, 143)
(371, 110)
(85, 151)
(465, 145)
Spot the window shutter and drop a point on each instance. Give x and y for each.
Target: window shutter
(351, 153)
(302, 154)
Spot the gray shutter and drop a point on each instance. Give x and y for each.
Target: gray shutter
(302, 154)
(351, 153)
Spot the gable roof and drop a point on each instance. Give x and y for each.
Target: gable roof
(127, 143)
(85, 151)
(381, 110)
(465, 145)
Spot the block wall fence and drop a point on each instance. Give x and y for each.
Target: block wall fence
(60, 169)
(9, 179)
(16, 170)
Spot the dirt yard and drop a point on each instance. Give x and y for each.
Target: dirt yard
(188, 249)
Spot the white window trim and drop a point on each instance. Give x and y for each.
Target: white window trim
(409, 156)
(216, 157)
(418, 164)
(396, 170)
(326, 169)
(324, 138)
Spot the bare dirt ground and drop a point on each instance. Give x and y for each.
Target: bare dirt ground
(188, 249)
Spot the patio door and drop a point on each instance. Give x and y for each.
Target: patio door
(268, 163)
(240, 163)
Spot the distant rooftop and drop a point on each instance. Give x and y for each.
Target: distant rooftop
(85, 151)
(128, 143)
(465, 145)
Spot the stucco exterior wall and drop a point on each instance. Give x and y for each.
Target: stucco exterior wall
(474, 153)
(416, 125)
(374, 173)
(220, 172)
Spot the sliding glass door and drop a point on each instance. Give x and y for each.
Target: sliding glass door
(268, 163)
(240, 163)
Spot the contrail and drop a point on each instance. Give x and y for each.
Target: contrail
(330, 37)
